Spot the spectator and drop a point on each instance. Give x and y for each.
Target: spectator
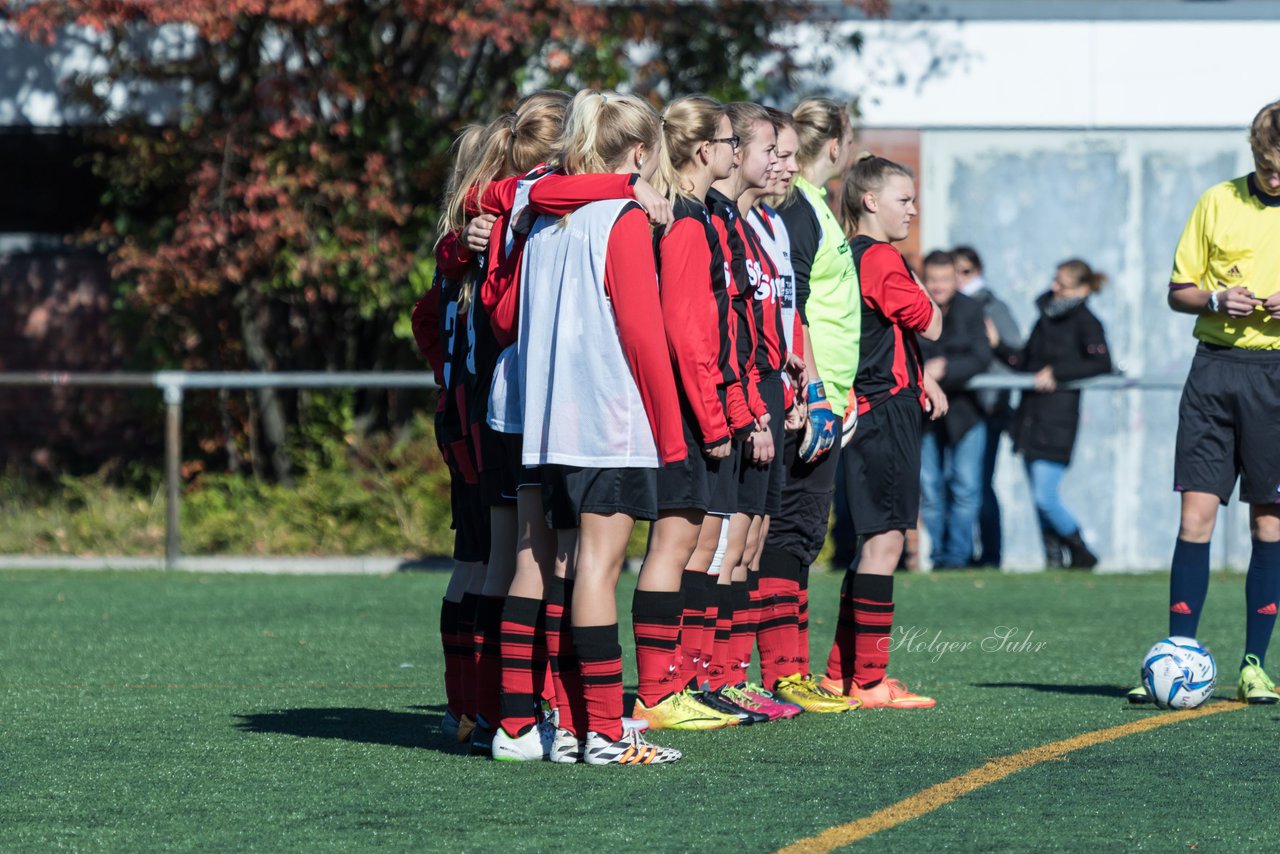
(952, 448)
(1066, 344)
(994, 404)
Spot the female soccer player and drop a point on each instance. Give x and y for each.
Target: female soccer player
(441, 320)
(698, 149)
(829, 309)
(600, 411)
(511, 615)
(774, 600)
(1067, 343)
(882, 462)
(733, 637)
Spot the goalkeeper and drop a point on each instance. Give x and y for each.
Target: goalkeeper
(828, 304)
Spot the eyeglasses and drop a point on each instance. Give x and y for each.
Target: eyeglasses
(734, 141)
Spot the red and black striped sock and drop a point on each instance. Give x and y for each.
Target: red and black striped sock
(693, 586)
(655, 619)
(466, 635)
(521, 620)
(718, 671)
(489, 658)
(600, 662)
(873, 620)
(710, 622)
(840, 659)
(779, 632)
(743, 635)
(454, 654)
(565, 675)
(802, 616)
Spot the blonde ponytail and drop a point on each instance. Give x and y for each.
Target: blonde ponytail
(601, 127)
(817, 121)
(687, 123)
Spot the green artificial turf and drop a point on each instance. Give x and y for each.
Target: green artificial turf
(150, 711)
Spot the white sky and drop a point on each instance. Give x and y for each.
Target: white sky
(1063, 73)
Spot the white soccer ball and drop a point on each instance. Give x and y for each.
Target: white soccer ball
(1179, 673)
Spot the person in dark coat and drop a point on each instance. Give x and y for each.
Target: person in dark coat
(996, 407)
(952, 447)
(1067, 343)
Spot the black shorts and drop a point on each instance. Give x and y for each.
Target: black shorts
(470, 522)
(800, 527)
(500, 466)
(688, 484)
(881, 467)
(569, 491)
(758, 491)
(1227, 423)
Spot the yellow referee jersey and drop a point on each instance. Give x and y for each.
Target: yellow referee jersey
(1233, 238)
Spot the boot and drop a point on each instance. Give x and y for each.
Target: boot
(1053, 549)
(1080, 556)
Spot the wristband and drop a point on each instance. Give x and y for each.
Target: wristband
(1213, 302)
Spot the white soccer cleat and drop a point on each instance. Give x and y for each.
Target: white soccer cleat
(566, 748)
(533, 746)
(632, 749)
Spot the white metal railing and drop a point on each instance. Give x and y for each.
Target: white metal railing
(174, 385)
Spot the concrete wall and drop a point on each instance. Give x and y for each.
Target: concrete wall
(1119, 199)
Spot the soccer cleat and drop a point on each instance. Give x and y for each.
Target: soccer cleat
(631, 749)
(837, 689)
(682, 711)
(1255, 685)
(481, 738)
(890, 694)
(805, 692)
(777, 710)
(740, 698)
(449, 726)
(1140, 696)
(566, 748)
(534, 745)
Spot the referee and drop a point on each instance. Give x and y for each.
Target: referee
(1226, 271)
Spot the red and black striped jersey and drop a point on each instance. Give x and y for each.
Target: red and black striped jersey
(766, 301)
(743, 397)
(894, 309)
(693, 287)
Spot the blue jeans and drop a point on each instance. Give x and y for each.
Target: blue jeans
(951, 492)
(1045, 477)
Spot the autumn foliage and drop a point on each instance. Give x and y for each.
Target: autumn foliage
(273, 166)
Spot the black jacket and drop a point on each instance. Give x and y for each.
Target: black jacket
(964, 345)
(1073, 343)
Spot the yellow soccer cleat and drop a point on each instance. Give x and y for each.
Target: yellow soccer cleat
(682, 711)
(805, 692)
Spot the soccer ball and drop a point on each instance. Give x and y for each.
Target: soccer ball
(1179, 673)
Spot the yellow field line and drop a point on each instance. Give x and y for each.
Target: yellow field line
(943, 793)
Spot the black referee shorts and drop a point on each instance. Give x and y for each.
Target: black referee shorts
(882, 467)
(569, 491)
(1228, 424)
